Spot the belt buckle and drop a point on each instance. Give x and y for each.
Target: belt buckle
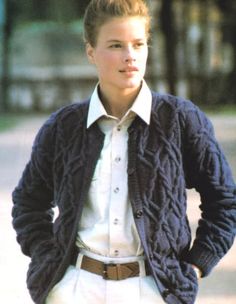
(104, 272)
(114, 273)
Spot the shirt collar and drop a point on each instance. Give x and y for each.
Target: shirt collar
(141, 106)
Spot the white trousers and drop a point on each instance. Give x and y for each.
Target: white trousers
(82, 287)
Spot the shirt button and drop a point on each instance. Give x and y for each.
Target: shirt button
(118, 128)
(117, 189)
(117, 159)
(116, 252)
(116, 221)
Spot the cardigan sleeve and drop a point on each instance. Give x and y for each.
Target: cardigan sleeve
(33, 197)
(208, 172)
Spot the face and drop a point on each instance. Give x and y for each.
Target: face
(120, 54)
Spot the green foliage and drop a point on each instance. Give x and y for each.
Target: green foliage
(220, 109)
(46, 10)
(36, 27)
(9, 121)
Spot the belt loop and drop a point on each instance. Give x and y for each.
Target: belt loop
(79, 260)
(142, 269)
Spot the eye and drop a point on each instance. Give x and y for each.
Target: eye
(115, 46)
(139, 45)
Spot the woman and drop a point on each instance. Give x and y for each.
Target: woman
(117, 166)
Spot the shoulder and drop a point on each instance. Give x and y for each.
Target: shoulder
(174, 103)
(179, 108)
(64, 121)
(76, 112)
(73, 111)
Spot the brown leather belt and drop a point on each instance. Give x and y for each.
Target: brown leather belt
(111, 271)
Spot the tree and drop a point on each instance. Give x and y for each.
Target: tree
(168, 26)
(9, 8)
(228, 9)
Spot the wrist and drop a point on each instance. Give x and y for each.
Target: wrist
(197, 271)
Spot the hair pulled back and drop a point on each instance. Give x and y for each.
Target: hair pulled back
(99, 12)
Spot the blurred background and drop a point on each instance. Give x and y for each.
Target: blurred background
(43, 64)
(43, 67)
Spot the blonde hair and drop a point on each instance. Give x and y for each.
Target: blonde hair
(99, 12)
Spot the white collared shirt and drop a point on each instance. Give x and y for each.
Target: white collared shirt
(107, 225)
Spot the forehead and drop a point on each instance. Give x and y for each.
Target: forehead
(123, 28)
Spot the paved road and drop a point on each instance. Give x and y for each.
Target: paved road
(15, 146)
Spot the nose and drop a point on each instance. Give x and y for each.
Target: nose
(129, 55)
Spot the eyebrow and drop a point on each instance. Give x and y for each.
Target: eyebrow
(116, 40)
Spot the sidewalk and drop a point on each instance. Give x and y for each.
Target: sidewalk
(15, 147)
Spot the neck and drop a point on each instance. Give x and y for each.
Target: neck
(118, 103)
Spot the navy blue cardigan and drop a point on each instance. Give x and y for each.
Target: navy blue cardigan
(176, 151)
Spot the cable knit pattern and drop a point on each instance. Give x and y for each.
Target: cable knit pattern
(176, 151)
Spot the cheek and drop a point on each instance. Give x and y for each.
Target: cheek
(144, 55)
(143, 60)
(112, 58)
(105, 58)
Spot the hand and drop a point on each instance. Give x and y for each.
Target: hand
(197, 271)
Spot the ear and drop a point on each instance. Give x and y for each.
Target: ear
(90, 53)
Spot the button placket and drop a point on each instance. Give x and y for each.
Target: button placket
(117, 194)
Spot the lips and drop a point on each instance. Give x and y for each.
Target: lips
(129, 69)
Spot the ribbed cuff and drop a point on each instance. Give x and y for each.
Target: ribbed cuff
(204, 259)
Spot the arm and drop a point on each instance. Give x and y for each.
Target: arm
(33, 197)
(208, 172)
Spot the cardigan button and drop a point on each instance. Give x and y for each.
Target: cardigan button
(139, 213)
(166, 293)
(130, 171)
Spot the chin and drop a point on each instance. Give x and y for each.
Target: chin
(132, 84)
